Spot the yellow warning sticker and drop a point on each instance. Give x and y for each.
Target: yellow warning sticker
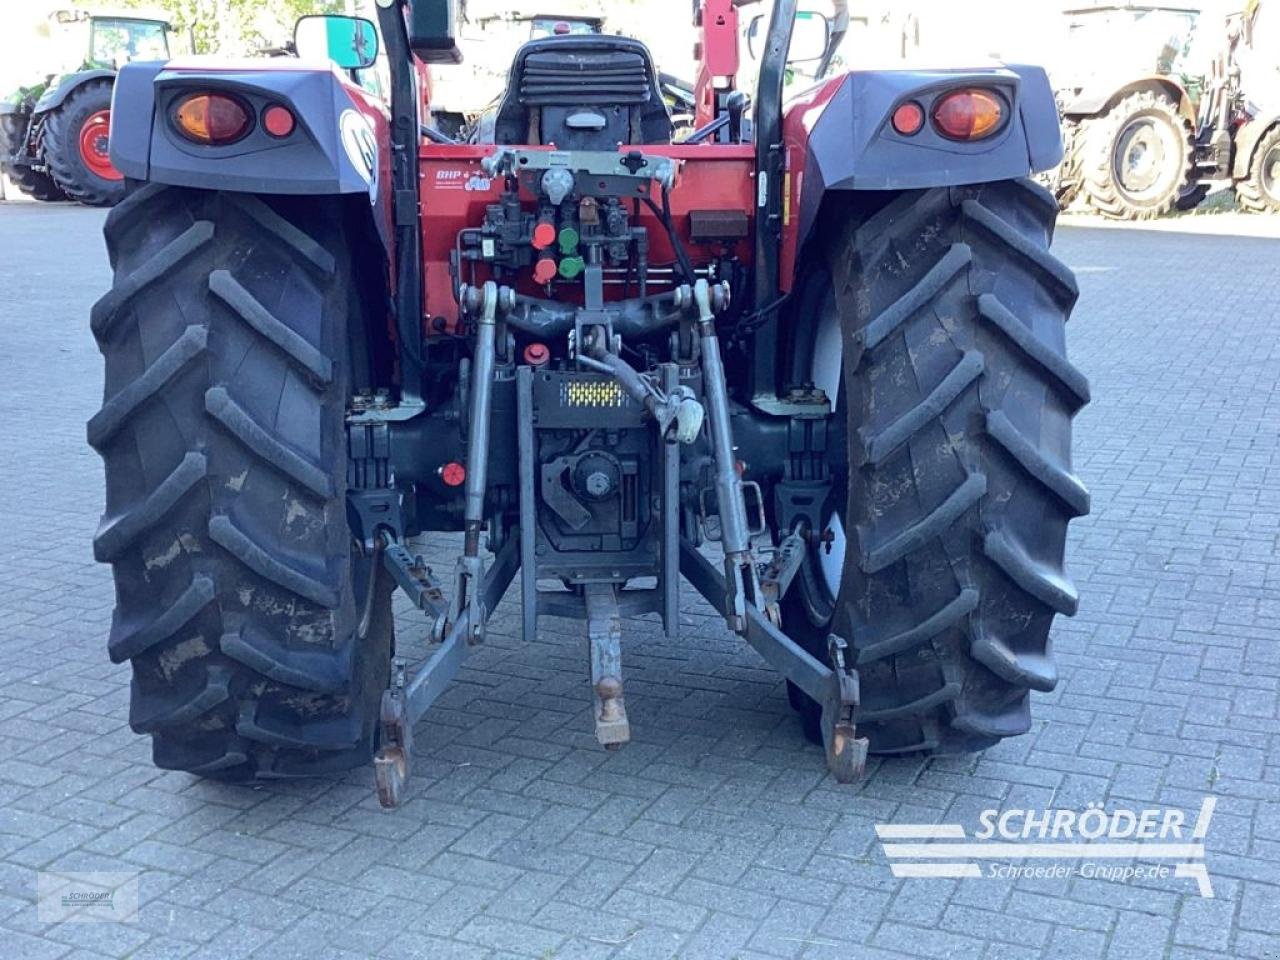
(593, 393)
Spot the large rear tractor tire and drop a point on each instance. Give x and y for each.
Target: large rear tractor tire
(75, 146)
(1259, 192)
(259, 640)
(1137, 158)
(937, 326)
(33, 183)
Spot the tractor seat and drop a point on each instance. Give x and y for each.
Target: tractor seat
(582, 93)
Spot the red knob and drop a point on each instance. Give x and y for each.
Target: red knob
(544, 235)
(453, 474)
(544, 271)
(536, 354)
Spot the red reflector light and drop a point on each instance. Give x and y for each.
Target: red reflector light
(212, 118)
(908, 118)
(453, 474)
(969, 114)
(278, 121)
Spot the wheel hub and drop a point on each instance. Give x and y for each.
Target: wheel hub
(95, 135)
(1140, 158)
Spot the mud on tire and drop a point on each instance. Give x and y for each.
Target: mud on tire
(957, 400)
(239, 594)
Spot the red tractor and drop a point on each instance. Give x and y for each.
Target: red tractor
(827, 338)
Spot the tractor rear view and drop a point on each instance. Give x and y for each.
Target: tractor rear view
(809, 357)
(55, 132)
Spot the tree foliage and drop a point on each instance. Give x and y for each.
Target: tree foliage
(235, 27)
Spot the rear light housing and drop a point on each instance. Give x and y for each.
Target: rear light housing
(212, 119)
(970, 114)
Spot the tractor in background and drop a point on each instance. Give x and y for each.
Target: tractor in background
(1238, 137)
(55, 132)
(1128, 118)
(1155, 108)
(809, 357)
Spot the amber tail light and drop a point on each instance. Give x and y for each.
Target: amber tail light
(970, 114)
(213, 119)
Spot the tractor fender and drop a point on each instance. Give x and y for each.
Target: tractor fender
(1091, 101)
(59, 91)
(1246, 141)
(340, 143)
(839, 138)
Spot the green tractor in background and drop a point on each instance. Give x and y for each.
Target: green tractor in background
(55, 131)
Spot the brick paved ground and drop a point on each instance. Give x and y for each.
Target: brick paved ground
(716, 834)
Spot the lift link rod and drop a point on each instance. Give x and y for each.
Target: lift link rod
(741, 576)
(470, 567)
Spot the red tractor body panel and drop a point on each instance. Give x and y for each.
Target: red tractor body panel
(455, 192)
(797, 123)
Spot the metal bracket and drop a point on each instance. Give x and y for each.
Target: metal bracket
(782, 569)
(604, 633)
(415, 578)
(633, 165)
(392, 761)
(846, 751)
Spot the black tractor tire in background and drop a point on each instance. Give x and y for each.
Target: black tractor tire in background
(1259, 192)
(1192, 197)
(33, 183)
(61, 146)
(955, 404)
(260, 643)
(1137, 159)
(1065, 181)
